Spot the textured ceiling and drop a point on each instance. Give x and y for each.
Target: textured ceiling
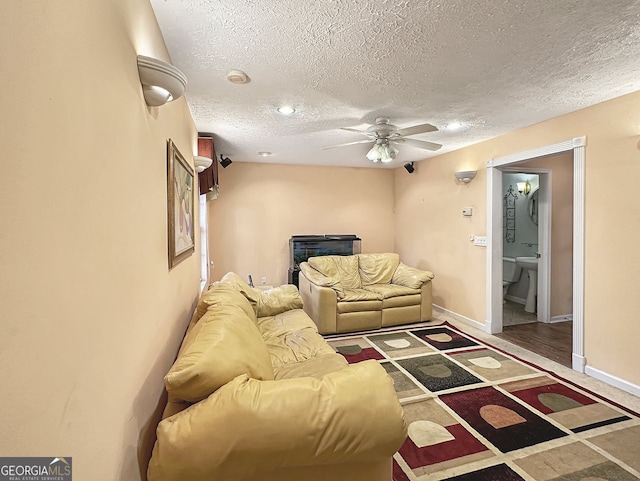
(495, 65)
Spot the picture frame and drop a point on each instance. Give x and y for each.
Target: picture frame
(180, 206)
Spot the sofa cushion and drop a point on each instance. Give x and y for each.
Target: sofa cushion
(351, 295)
(314, 367)
(224, 293)
(391, 290)
(280, 324)
(292, 337)
(277, 300)
(341, 268)
(222, 345)
(265, 303)
(410, 276)
(377, 268)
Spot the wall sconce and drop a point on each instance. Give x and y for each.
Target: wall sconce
(466, 176)
(524, 187)
(225, 161)
(409, 166)
(201, 162)
(161, 81)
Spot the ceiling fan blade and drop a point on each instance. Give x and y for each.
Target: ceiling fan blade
(349, 143)
(355, 130)
(417, 129)
(421, 144)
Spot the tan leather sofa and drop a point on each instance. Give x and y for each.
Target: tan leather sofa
(364, 291)
(256, 394)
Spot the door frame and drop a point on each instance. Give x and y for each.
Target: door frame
(493, 323)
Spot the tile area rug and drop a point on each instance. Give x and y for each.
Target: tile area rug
(476, 413)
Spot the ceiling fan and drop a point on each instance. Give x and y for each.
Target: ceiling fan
(384, 135)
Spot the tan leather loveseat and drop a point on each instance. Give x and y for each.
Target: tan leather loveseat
(364, 291)
(256, 394)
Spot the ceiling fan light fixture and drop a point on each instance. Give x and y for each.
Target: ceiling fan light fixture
(388, 152)
(374, 154)
(382, 152)
(385, 135)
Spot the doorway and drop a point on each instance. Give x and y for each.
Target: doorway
(495, 167)
(526, 235)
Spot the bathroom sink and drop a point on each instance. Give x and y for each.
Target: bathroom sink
(529, 263)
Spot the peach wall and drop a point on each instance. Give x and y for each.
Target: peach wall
(561, 166)
(432, 234)
(262, 205)
(430, 231)
(91, 316)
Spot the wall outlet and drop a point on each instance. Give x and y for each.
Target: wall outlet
(264, 279)
(479, 241)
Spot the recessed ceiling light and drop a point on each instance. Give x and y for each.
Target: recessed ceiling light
(264, 154)
(286, 110)
(453, 126)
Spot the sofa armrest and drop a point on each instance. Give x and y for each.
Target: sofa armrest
(426, 302)
(320, 304)
(321, 280)
(249, 427)
(410, 276)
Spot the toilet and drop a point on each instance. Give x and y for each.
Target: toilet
(510, 273)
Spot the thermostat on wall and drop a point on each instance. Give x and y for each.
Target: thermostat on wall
(467, 211)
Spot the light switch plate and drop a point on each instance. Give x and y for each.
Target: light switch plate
(467, 211)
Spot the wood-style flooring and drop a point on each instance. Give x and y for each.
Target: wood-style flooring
(553, 341)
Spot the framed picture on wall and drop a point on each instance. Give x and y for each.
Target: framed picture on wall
(180, 205)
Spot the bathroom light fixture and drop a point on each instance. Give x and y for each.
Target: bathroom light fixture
(524, 187)
(161, 81)
(201, 162)
(382, 151)
(465, 176)
(409, 167)
(286, 110)
(225, 161)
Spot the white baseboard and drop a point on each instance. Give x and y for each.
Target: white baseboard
(578, 362)
(613, 380)
(518, 300)
(459, 317)
(563, 318)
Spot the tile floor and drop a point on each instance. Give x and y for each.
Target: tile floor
(514, 314)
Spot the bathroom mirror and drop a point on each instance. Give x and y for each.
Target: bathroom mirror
(533, 207)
